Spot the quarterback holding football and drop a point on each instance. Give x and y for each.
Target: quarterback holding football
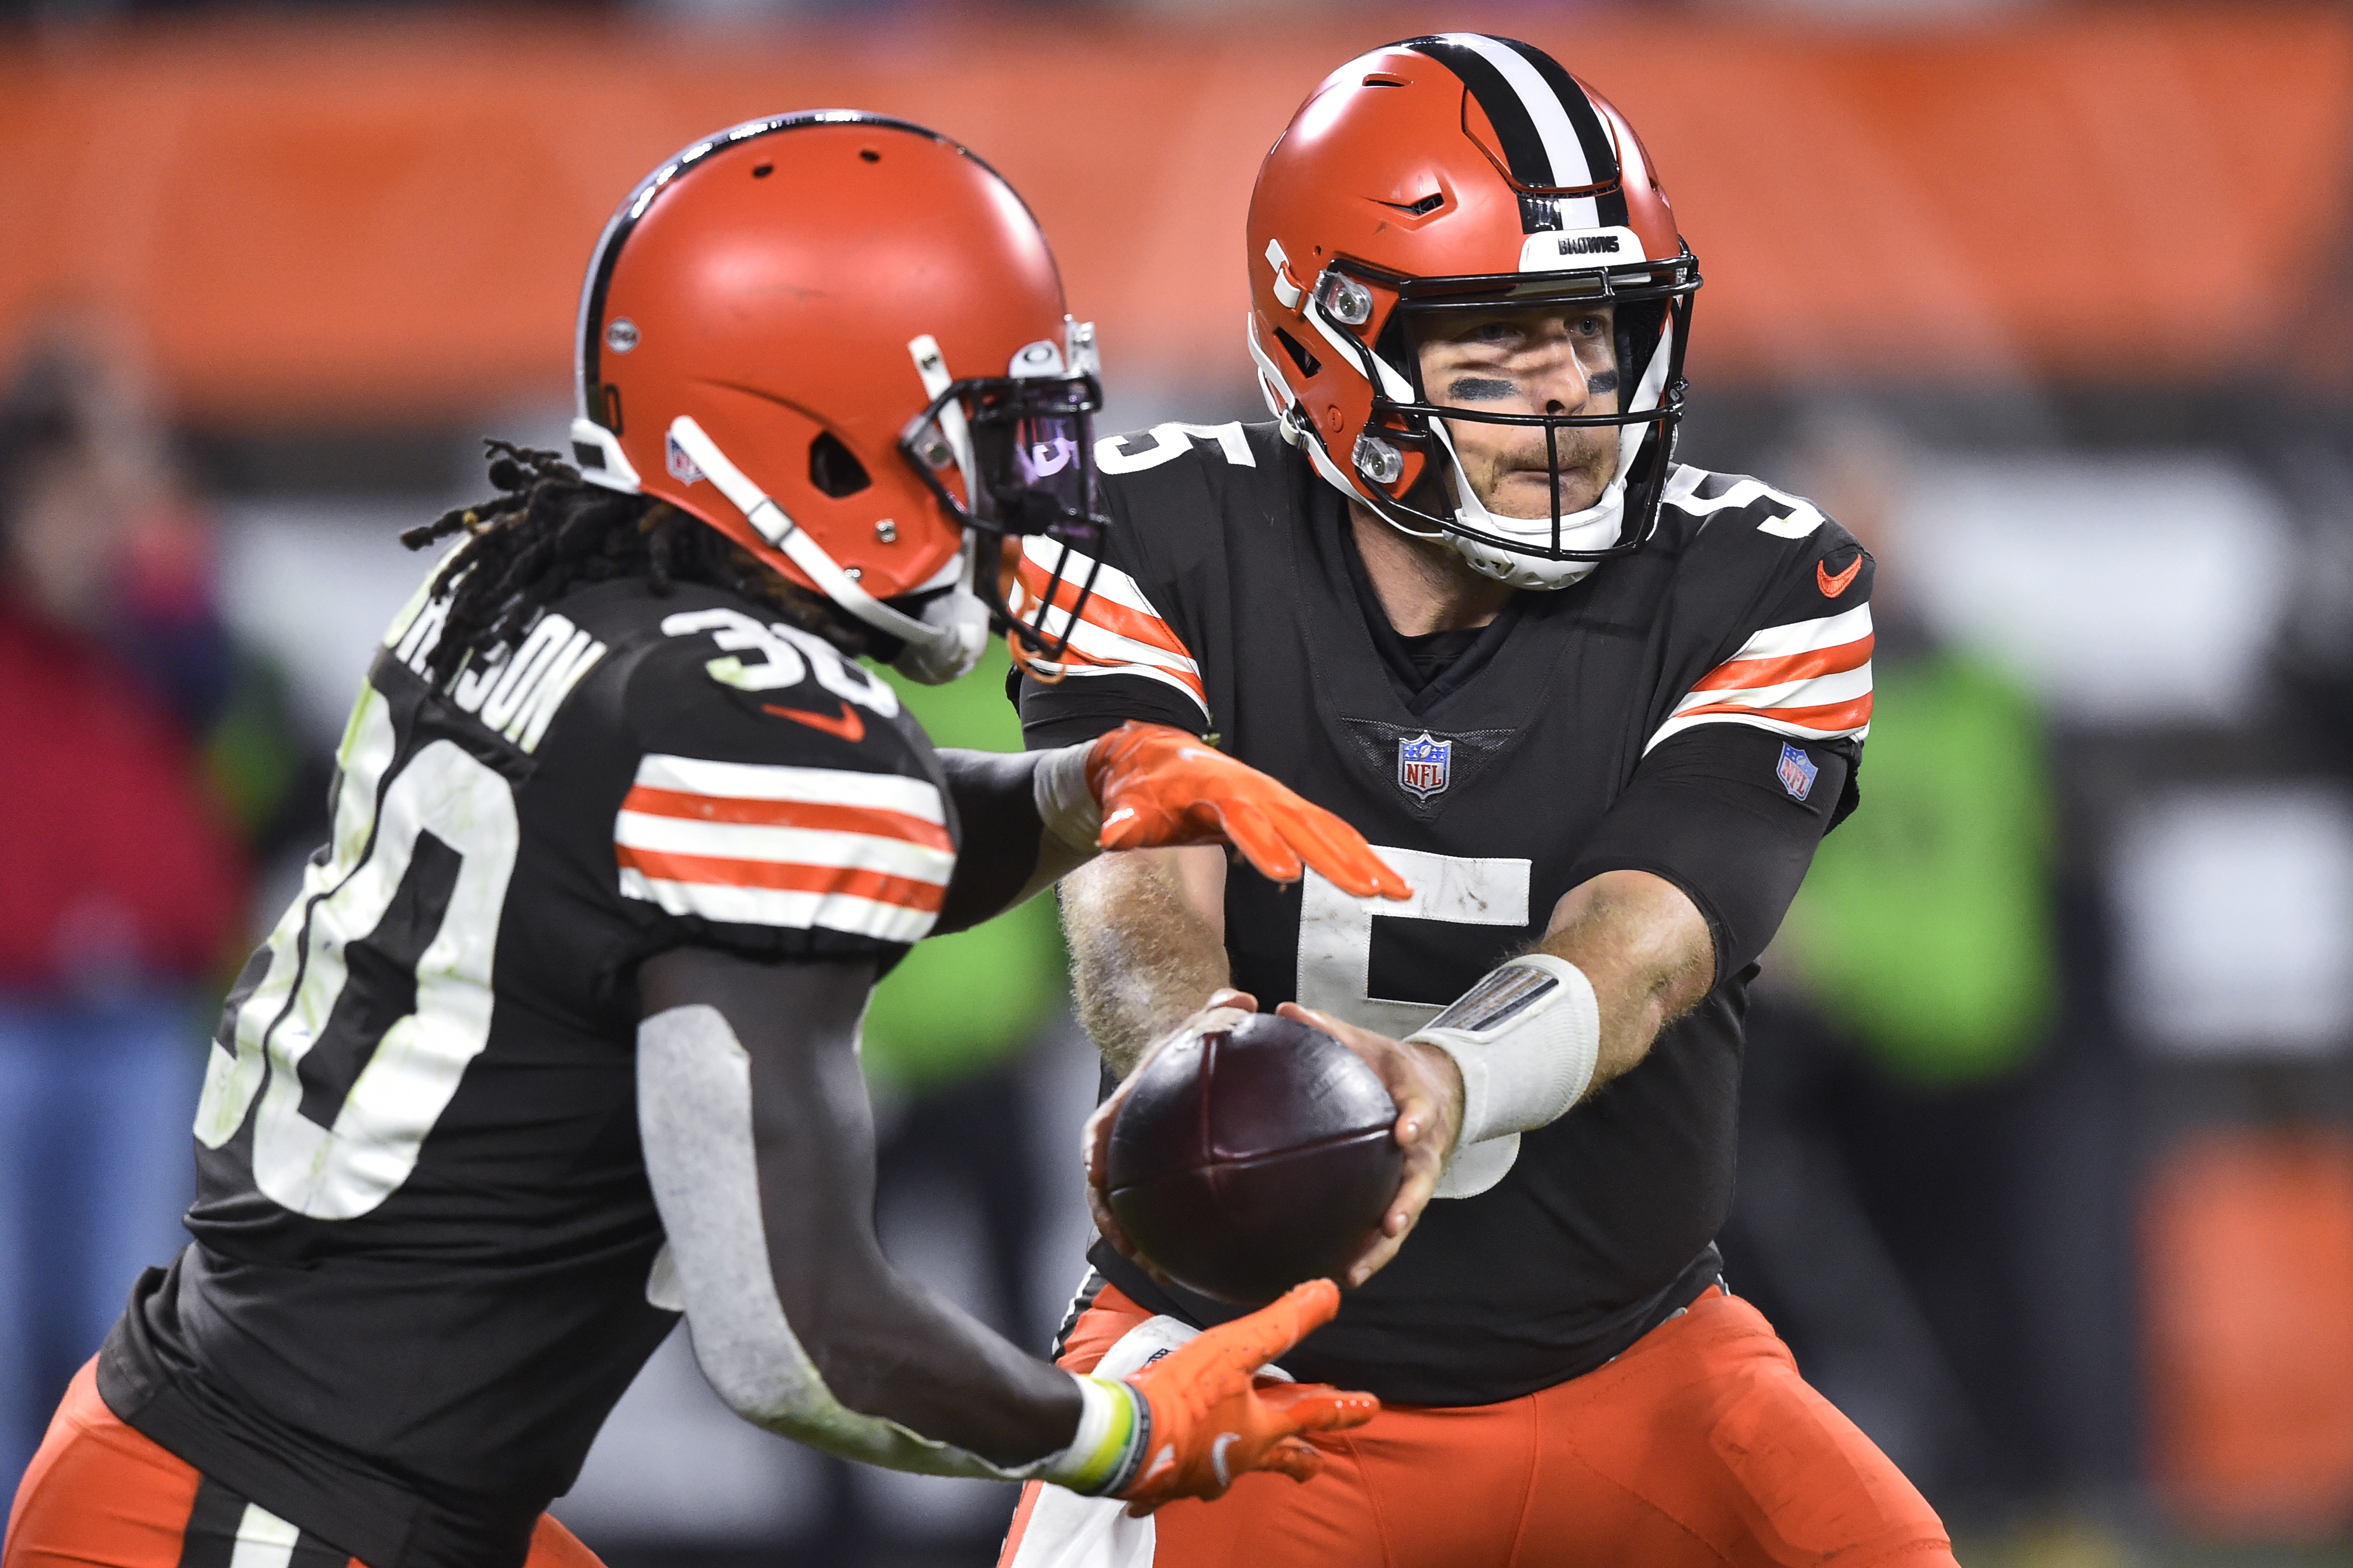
(1599, 707)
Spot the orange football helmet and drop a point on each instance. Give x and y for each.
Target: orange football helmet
(840, 340)
(1458, 172)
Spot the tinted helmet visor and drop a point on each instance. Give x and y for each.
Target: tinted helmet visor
(1027, 447)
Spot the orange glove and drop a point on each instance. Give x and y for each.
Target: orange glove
(1210, 1422)
(1160, 786)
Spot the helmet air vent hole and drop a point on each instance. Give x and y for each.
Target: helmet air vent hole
(762, 171)
(870, 154)
(834, 469)
(1428, 204)
(1307, 363)
(1381, 79)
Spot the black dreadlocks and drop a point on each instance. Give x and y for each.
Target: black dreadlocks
(549, 530)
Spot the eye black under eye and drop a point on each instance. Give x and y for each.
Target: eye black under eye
(1477, 387)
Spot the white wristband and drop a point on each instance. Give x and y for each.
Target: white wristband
(1115, 1425)
(1066, 801)
(1526, 1037)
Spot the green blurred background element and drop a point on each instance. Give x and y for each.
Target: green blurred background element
(960, 1005)
(1925, 926)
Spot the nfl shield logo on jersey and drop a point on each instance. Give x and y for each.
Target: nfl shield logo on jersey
(1422, 765)
(682, 466)
(1798, 771)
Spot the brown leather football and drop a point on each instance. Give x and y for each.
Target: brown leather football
(1248, 1159)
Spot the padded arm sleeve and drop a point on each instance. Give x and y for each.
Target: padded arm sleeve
(1725, 813)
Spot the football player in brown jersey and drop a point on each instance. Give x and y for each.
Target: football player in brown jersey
(1599, 705)
(559, 1038)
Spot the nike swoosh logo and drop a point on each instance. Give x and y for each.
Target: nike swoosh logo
(849, 726)
(1217, 1457)
(1832, 588)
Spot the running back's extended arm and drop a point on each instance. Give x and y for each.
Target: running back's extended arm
(760, 1143)
(1029, 818)
(1008, 852)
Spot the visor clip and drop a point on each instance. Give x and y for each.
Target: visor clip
(1378, 461)
(1079, 338)
(1347, 300)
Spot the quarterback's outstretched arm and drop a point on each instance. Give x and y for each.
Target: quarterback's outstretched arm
(1636, 938)
(1687, 878)
(1147, 939)
(1645, 949)
(1688, 881)
(759, 1144)
(1030, 818)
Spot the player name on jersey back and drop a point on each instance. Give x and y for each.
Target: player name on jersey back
(515, 695)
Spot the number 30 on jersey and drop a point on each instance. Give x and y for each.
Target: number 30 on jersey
(377, 992)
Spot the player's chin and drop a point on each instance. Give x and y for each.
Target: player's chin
(1527, 494)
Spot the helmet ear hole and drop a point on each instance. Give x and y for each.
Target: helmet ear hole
(1307, 363)
(834, 469)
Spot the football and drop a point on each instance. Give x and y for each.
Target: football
(1245, 1161)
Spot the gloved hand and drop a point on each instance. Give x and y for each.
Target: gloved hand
(1211, 1421)
(1160, 786)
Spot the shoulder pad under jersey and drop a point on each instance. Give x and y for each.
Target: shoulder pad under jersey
(1171, 493)
(1791, 591)
(777, 784)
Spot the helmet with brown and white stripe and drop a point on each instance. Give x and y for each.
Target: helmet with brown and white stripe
(1463, 172)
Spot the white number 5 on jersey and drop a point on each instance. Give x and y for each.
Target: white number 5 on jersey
(1335, 962)
(1335, 929)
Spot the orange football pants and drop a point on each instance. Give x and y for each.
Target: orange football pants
(100, 1494)
(1699, 1446)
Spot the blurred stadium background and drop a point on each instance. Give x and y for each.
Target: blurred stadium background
(2047, 1171)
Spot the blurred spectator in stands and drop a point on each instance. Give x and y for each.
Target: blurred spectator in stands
(1908, 1214)
(135, 752)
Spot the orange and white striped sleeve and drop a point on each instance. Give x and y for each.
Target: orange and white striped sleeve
(1117, 631)
(1808, 679)
(802, 848)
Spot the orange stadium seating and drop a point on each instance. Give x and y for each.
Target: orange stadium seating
(358, 219)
